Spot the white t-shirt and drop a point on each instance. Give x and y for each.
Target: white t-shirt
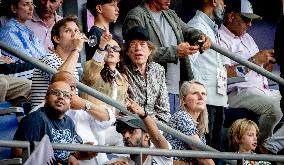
(150, 160)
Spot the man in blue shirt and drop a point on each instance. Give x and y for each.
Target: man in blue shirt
(51, 120)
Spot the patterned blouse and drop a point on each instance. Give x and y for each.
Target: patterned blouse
(150, 93)
(182, 121)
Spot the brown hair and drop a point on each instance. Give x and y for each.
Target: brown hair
(237, 131)
(91, 5)
(56, 28)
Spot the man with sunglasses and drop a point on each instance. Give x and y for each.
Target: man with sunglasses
(253, 94)
(51, 120)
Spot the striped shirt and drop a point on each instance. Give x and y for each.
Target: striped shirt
(41, 79)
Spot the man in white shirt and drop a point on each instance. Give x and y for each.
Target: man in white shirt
(141, 134)
(253, 94)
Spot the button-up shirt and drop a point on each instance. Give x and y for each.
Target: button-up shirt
(246, 47)
(20, 37)
(150, 92)
(41, 30)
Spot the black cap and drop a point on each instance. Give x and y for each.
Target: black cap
(137, 32)
(243, 7)
(129, 121)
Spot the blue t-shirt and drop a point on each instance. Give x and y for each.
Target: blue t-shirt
(34, 126)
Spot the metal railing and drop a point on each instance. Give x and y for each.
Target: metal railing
(151, 151)
(122, 108)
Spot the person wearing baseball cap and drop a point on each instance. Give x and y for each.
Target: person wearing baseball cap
(147, 84)
(254, 94)
(141, 132)
(242, 7)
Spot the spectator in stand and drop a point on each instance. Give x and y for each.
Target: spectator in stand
(146, 79)
(173, 39)
(68, 42)
(254, 94)
(208, 68)
(105, 72)
(141, 134)
(16, 34)
(44, 18)
(104, 12)
(243, 138)
(191, 120)
(88, 118)
(51, 120)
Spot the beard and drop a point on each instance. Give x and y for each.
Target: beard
(219, 13)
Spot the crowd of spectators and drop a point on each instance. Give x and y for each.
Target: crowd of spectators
(163, 70)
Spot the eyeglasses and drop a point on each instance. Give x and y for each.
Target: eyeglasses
(113, 48)
(58, 92)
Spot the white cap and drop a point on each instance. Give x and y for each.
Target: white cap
(247, 11)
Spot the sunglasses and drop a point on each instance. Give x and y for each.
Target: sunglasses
(113, 48)
(58, 92)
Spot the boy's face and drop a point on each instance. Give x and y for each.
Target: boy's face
(109, 11)
(248, 141)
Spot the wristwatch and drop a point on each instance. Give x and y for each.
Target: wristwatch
(101, 49)
(88, 106)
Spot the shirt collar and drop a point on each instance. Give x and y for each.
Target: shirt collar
(208, 20)
(227, 31)
(19, 25)
(36, 17)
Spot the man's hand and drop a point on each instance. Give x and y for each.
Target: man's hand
(133, 107)
(264, 56)
(78, 41)
(206, 42)
(185, 49)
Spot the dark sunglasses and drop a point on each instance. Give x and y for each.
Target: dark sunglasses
(114, 48)
(58, 92)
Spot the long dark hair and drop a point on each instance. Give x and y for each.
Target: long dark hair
(107, 74)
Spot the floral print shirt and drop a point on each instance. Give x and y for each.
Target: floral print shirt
(150, 92)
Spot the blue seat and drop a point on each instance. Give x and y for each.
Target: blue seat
(8, 125)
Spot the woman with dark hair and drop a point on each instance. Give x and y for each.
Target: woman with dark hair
(105, 72)
(16, 34)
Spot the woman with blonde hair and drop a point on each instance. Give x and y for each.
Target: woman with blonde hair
(191, 120)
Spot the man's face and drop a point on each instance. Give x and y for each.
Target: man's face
(110, 11)
(239, 24)
(58, 97)
(161, 4)
(139, 52)
(48, 7)
(219, 9)
(132, 137)
(66, 36)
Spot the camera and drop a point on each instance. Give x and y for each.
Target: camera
(200, 44)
